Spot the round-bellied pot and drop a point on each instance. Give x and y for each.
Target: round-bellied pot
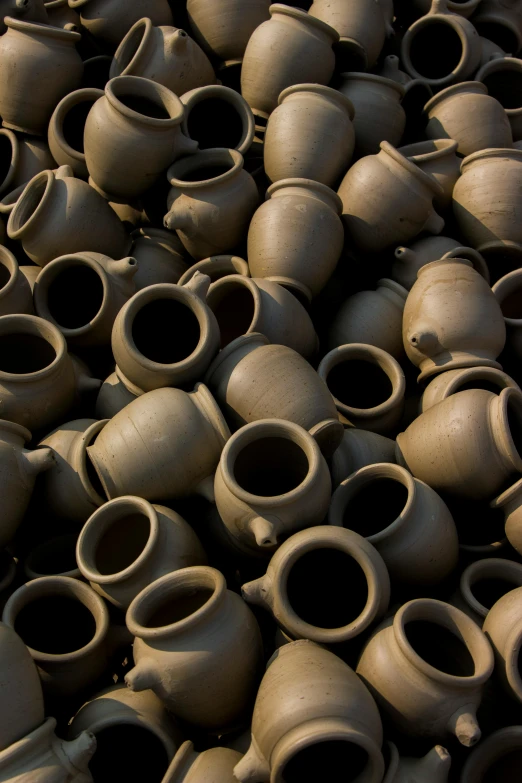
(409, 260)
(507, 291)
(503, 627)
(173, 619)
(434, 767)
(223, 27)
(437, 158)
(498, 755)
(361, 27)
(24, 157)
(357, 449)
(216, 116)
(53, 557)
(15, 291)
(108, 21)
(160, 256)
(215, 765)
(217, 267)
(60, 15)
(66, 129)
(483, 583)
(450, 382)
(503, 79)
(115, 393)
(30, 10)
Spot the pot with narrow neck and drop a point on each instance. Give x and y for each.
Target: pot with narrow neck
(216, 116)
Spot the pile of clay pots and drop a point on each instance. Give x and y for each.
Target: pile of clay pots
(260, 404)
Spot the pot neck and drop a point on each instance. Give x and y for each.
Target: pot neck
(306, 187)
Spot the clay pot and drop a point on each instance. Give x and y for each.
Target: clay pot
(310, 135)
(301, 726)
(243, 305)
(510, 502)
(64, 625)
(379, 115)
(447, 383)
(307, 570)
(160, 256)
(441, 48)
(15, 291)
(31, 11)
(448, 115)
(173, 619)
(400, 208)
(82, 293)
(54, 557)
(483, 583)
(295, 237)
(503, 627)
(467, 445)
(115, 393)
(403, 518)
(128, 543)
(142, 341)
(214, 765)
(211, 201)
(217, 267)
(60, 15)
(498, 754)
(108, 21)
(165, 444)
(27, 49)
(357, 449)
(361, 27)
(373, 318)
(304, 55)
(58, 214)
(500, 21)
(409, 260)
(272, 480)
(287, 387)
(223, 27)
(507, 292)
(426, 667)
(165, 54)
(367, 385)
(27, 156)
(216, 116)
(67, 127)
(432, 768)
(502, 77)
(437, 158)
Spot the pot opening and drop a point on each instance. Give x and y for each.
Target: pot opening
(309, 765)
(148, 107)
(121, 752)
(269, 467)
(234, 312)
(511, 304)
(55, 624)
(514, 419)
(436, 50)
(54, 557)
(214, 122)
(506, 87)
(130, 46)
(488, 591)
(178, 606)
(6, 156)
(22, 353)
(359, 384)
(5, 274)
(500, 34)
(206, 172)
(506, 769)
(375, 506)
(501, 259)
(70, 311)
(327, 588)
(122, 543)
(96, 71)
(440, 648)
(74, 124)
(166, 331)
(28, 203)
(482, 383)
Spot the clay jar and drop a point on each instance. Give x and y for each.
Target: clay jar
(223, 27)
(128, 543)
(31, 11)
(361, 27)
(64, 624)
(510, 503)
(310, 135)
(452, 381)
(23, 156)
(408, 260)
(467, 445)
(503, 627)
(448, 115)
(160, 256)
(387, 200)
(432, 768)
(357, 449)
(211, 201)
(441, 48)
(379, 115)
(367, 385)
(216, 116)
(142, 337)
(403, 518)
(173, 619)
(296, 237)
(373, 318)
(484, 583)
(507, 291)
(58, 214)
(503, 79)
(165, 444)
(305, 55)
(217, 267)
(272, 480)
(15, 291)
(498, 754)
(286, 385)
(132, 134)
(307, 570)
(215, 765)
(66, 129)
(451, 319)
(243, 305)
(311, 712)
(108, 21)
(437, 158)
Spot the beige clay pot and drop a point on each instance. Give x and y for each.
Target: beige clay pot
(215, 765)
(498, 755)
(434, 767)
(217, 267)
(160, 256)
(216, 116)
(483, 583)
(15, 291)
(108, 21)
(503, 627)
(357, 449)
(409, 260)
(510, 503)
(60, 15)
(67, 127)
(26, 157)
(501, 22)
(438, 158)
(507, 291)
(115, 393)
(502, 77)
(361, 26)
(31, 11)
(450, 382)
(223, 27)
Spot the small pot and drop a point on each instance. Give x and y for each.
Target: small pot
(357, 449)
(409, 260)
(437, 158)
(108, 22)
(498, 753)
(216, 267)
(67, 127)
(215, 765)
(450, 382)
(483, 583)
(15, 292)
(503, 627)
(216, 116)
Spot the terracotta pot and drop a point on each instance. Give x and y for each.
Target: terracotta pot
(440, 332)
(272, 480)
(310, 135)
(142, 335)
(64, 625)
(367, 385)
(216, 116)
(214, 765)
(243, 305)
(357, 449)
(507, 292)
(165, 444)
(361, 27)
(503, 627)
(434, 767)
(483, 583)
(211, 201)
(482, 219)
(379, 115)
(165, 54)
(403, 518)
(498, 754)
(25, 156)
(108, 21)
(437, 158)
(302, 726)
(15, 291)
(409, 260)
(304, 55)
(467, 445)
(441, 48)
(176, 617)
(54, 557)
(401, 210)
(502, 77)
(223, 27)
(287, 387)
(298, 249)
(307, 570)
(217, 267)
(500, 21)
(160, 256)
(448, 115)
(67, 127)
(115, 393)
(60, 15)
(426, 667)
(450, 382)
(373, 318)
(32, 11)
(27, 49)
(46, 229)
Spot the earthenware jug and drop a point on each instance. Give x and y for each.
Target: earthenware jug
(26, 156)
(496, 74)
(67, 127)
(217, 267)
(223, 27)
(215, 765)
(498, 754)
(160, 256)
(30, 10)
(361, 27)
(15, 291)
(409, 260)
(357, 449)
(483, 583)
(108, 21)
(503, 627)
(447, 383)
(438, 158)
(216, 116)
(434, 767)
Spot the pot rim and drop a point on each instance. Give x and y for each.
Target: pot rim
(18, 430)
(41, 737)
(457, 23)
(85, 440)
(196, 96)
(233, 281)
(329, 195)
(491, 152)
(502, 434)
(463, 375)
(504, 287)
(8, 261)
(427, 179)
(150, 90)
(304, 16)
(356, 76)
(14, 229)
(245, 339)
(501, 64)
(513, 650)
(492, 568)
(393, 285)
(41, 29)
(415, 153)
(177, 770)
(454, 89)
(5, 186)
(39, 327)
(219, 155)
(55, 3)
(498, 744)
(125, 44)
(509, 494)
(231, 264)
(319, 89)
(83, 95)
(129, 719)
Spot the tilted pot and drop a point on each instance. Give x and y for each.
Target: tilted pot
(450, 382)
(15, 292)
(409, 260)
(223, 27)
(217, 267)
(160, 256)
(108, 21)
(503, 627)
(483, 583)
(498, 754)
(361, 27)
(438, 158)
(27, 156)
(357, 449)
(216, 116)
(66, 129)
(434, 767)
(215, 765)
(30, 10)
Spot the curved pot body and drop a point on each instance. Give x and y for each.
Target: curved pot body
(223, 27)
(15, 292)
(217, 267)
(361, 27)
(450, 382)
(215, 765)
(357, 449)
(510, 502)
(108, 21)
(27, 156)
(483, 583)
(409, 260)
(115, 393)
(434, 767)
(438, 158)
(66, 129)
(216, 116)
(503, 79)
(507, 291)
(160, 256)
(499, 753)
(503, 627)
